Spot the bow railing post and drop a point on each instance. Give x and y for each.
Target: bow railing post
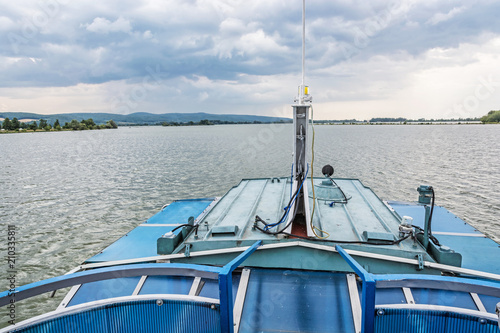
(367, 294)
(226, 288)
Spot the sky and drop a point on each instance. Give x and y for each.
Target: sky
(364, 59)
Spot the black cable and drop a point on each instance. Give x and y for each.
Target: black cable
(431, 236)
(345, 197)
(257, 218)
(432, 208)
(417, 227)
(184, 225)
(395, 242)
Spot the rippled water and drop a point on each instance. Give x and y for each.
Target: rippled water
(70, 194)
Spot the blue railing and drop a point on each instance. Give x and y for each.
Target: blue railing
(223, 274)
(372, 281)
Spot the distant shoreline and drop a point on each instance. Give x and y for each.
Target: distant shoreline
(319, 124)
(408, 123)
(49, 131)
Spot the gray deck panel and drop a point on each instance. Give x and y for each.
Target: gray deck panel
(266, 198)
(363, 212)
(335, 221)
(270, 207)
(220, 209)
(242, 205)
(242, 208)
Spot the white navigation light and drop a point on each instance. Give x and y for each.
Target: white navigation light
(407, 220)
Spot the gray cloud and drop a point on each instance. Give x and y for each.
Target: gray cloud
(60, 43)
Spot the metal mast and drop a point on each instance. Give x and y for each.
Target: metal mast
(303, 43)
(300, 123)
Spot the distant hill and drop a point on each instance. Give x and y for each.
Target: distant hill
(143, 118)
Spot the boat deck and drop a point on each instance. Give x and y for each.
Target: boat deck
(228, 223)
(286, 284)
(141, 241)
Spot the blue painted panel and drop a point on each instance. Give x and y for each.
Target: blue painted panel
(477, 252)
(442, 219)
(139, 316)
(89, 321)
(443, 297)
(141, 241)
(178, 212)
(489, 302)
(211, 287)
(94, 291)
(418, 321)
(138, 243)
(167, 285)
(296, 301)
(390, 296)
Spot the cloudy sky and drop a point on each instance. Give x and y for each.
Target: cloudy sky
(364, 59)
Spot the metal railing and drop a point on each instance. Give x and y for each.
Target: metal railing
(370, 282)
(222, 274)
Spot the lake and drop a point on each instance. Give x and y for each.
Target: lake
(70, 194)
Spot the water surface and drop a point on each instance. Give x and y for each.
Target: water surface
(70, 194)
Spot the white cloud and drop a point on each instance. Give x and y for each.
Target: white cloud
(89, 98)
(458, 82)
(104, 26)
(258, 43)
(203, 96)
(232, 25)
(6, 23)
(442, 17)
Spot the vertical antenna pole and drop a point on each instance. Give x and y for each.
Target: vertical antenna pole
(303, 43)
(301, 108)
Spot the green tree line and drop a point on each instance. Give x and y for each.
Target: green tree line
(492, 117)
(88, 124)
(43, 125)
(190, 123)
(206, 122)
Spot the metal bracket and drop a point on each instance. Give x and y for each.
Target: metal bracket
(420, 259)
(187, 252)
